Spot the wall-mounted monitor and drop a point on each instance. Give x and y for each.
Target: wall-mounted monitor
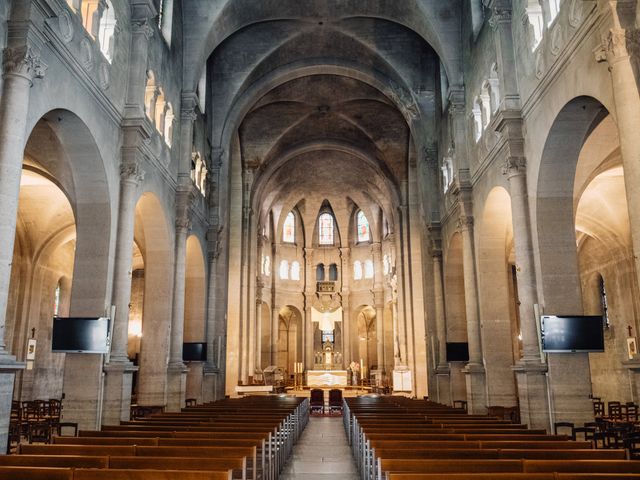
(566, 334)
(457, 352)
(80, 335)
(194, 352)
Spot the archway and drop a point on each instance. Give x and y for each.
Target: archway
(605, 257)
(65, 165)
(151, 234)
(366, 320)
(560, 293)
(456, 315)
(498, 305)
(195, 328)
(289, 338)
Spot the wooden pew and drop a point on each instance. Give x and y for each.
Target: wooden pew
(35, 473)
(182, 463)
(113, 474)
(59, 461)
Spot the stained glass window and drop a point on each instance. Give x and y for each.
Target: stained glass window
(289, 229)
(363, 227)
(325, 229)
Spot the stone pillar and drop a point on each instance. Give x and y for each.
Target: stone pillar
(345, 263)
(275, 325)
(177, 371)
(20, 66)
(185, 196)
(378, 300)
(214, 323)
(443, 377)
(530, 371)
(617, 51)
(475, 373)
(119, 370)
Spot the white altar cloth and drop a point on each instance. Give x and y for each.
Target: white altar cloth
(327, 378)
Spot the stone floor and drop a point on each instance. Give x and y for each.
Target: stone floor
(322, 453)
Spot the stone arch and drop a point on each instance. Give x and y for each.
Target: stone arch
(498, 306)
(365, 323)
(152, 235)
(290, 325)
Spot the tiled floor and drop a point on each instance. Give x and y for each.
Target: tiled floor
(322, 453)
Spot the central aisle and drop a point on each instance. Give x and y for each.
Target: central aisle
(322, 453)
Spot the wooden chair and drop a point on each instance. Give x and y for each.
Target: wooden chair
(335, 400)
(317, 401)
(59, 426)
(598, 408)
(39, 432)
(460, 404)
(191, 402)
(614, 410)
(560, 425)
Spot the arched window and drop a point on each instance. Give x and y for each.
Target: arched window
(603, 301)
(333, 272)
(168, 125)
(295, 271)
(320, 272)
(106, 29)
(364, 234)
(289, 229)
(357, 270)
(325, 229)
(165, 19)
(284, 270)
(90, 11)
(150, 96)
(368, 269)
(267, 266)
(554, 10)
(159, 110)
(56, 300)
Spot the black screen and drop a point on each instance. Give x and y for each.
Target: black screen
(80, 335)
(457, 352)
(572, 334)
(194, 352)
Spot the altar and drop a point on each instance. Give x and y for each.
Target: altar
(327, 378)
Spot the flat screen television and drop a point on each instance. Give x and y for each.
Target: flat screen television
(80, 335)
(563, 334)
(194, 352)
(457, 352)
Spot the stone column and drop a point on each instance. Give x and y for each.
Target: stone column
(345, 257)
(475, 373)
(443, 377)
(214, 327)
(616, 50)
(177, 370)
(119, 370)
(378, 300)
(20, 65)
(275, 325)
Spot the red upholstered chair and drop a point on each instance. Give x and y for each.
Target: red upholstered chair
(335, 400)
(317, 401)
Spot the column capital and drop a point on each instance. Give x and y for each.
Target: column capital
(142, 26)
(514, 166)
(464, 222)
(616, 45)
(131, 173)
(500, 16)
(22, 61)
